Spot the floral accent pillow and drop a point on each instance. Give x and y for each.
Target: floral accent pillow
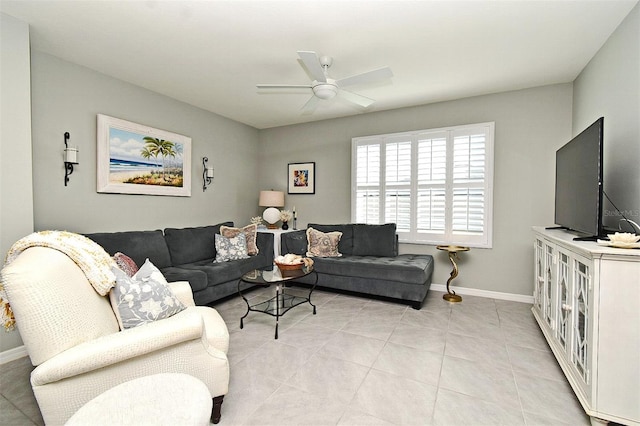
(250, 232)
(142, 298)
(321, 244)
(127, 264)
(231, 248)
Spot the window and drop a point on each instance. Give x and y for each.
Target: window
(436, 185)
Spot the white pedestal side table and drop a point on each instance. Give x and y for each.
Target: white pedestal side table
(277, 233)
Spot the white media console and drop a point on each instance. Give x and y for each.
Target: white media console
(587, 303)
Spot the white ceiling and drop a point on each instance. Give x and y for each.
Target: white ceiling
(211, 54)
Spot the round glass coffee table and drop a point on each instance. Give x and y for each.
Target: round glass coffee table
(282, 302)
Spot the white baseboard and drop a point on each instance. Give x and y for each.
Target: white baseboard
(486, 293)
(12, 354)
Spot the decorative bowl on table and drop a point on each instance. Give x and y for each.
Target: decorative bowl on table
(289, 266)
(288, 263)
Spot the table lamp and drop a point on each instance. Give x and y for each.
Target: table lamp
(271, 200)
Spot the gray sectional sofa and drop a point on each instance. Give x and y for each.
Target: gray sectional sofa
(187, 254)
(370, 263)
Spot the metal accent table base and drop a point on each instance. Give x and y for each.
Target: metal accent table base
(451, 295)
(282, 302)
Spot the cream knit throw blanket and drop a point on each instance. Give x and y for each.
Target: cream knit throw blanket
(88, 255)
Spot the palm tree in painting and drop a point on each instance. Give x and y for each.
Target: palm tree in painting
(146, 153)
(161, 147)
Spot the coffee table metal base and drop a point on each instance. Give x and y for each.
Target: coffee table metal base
(278, 305)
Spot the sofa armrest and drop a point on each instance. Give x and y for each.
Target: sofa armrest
(294, 242)
(264, 241)
(118, 347)
(182, 290)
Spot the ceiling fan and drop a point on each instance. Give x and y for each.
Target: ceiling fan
(324, 87)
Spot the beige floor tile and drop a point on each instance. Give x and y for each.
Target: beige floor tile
(395, 399)
(454, 408)
(411, 363)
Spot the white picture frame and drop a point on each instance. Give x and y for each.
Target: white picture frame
(138, 159)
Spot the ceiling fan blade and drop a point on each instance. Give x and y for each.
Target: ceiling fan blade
(366, 77)
(310, 106)
(312, 63)
(283, 86)
(354, 98)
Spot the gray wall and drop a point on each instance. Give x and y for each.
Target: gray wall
(16, 195)
(67, 97)
(529, 126)
(609, 87)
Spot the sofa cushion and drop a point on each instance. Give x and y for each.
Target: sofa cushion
(143, 298)
(188, 245)
(228, 249)
(138, 245)
(223, 272)
(249, 231)
(323, 244)
(197, 279)
(406, 268)
(345, 246)
(374, 240)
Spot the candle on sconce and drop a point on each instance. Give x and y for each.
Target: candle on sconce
(210, 172)
(71, 155)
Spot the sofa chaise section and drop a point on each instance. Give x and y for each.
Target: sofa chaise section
(370, 263)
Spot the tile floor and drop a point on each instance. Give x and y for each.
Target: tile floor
(368, 362)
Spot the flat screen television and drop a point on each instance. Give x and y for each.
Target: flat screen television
(579, 190)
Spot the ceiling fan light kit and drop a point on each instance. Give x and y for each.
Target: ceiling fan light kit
(326, 88)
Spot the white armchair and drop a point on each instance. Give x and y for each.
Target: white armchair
(71, 334)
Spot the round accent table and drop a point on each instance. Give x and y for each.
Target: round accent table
(451, 295)
(162, 399)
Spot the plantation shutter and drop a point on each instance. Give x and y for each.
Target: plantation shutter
(368, 183)
(431, 178)
(397, 192)
(435, 185)
(468, 184)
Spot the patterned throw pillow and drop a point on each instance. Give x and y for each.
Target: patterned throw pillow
(127, 264)
(231, 248)
(323, 244)
(143, 298)
(250, 232)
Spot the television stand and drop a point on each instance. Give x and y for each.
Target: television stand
(587, 304)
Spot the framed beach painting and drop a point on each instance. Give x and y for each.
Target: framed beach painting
(302, 178)
(137, 159)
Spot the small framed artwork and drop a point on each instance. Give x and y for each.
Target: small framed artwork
(302, 178)
(137, 159)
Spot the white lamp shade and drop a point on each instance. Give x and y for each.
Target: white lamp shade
(271, 215)
(271, 199)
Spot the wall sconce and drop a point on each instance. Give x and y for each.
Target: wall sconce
(70, 158)
(207, 174)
